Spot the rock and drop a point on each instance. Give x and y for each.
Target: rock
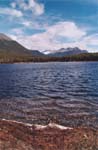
(19, 136)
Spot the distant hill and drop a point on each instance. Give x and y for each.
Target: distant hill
(11, 47)
(4, 37)
(67, 52)
(37, 53)
(11, 51)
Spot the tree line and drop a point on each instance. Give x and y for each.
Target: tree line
(13, 58)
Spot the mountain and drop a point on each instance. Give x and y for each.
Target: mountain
(37, 53)
(11, 51)
(4, 37)
(67, 52)
(11, 47)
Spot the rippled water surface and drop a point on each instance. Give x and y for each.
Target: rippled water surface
(40, 92)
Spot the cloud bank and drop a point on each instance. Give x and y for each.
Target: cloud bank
(11, 12)
(31, 5)
(35, 29)
(60, 35)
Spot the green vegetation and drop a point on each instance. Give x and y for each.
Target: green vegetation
(82, 57)
(7, 57)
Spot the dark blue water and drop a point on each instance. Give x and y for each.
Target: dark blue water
(39, 92)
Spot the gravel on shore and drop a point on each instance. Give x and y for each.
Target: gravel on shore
(19, 136)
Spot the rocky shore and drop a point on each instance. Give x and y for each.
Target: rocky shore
(18, 136)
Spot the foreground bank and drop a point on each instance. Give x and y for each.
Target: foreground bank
(19, 136)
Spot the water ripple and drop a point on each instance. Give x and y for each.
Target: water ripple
(38, 92)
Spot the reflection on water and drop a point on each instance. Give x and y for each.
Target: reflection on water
(38, 92)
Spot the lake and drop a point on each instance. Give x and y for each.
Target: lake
(64, 92)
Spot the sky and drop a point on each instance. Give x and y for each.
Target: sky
(48, 25)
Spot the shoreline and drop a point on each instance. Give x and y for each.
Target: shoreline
(21, 136)
(38, 126)
(91, 61)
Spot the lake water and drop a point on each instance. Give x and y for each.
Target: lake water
(66, 93)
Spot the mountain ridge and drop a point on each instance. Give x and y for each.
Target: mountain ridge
(5, 37)
(67, 52)
(8, 45)
(11, 51)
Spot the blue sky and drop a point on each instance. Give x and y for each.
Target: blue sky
(51, 24)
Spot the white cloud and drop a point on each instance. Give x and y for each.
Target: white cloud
(31, 5)
(62, 34)
(36, 7)
(31, 24)
(17, 31)
(92, 39)
(34, 25)
(11, 11)
(13, 5)
(49, 40)
(26, 23)
(66, 29)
